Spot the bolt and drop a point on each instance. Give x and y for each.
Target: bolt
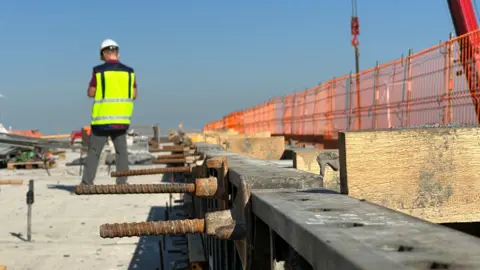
(134, 189)
(151, 171)
(152, 228)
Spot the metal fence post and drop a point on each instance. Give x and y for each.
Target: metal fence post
(314, 113)
(304, 116)
(293, 113)
(375, 101)
(449, 80)
(348, 88)
(405, 95)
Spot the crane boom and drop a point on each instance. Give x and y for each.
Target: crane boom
(465, 21)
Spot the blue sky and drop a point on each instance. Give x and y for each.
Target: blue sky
(195, 60)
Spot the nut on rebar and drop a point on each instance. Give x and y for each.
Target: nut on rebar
(206, 187)
(215, 163)
(222, 225)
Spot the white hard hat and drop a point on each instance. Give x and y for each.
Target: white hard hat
(108, 43)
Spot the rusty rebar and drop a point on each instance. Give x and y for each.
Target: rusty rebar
(169, 161)
(169, 148)
(134, 189)
(151, 171)
(152, 228)
(171, 156)
(203, 187)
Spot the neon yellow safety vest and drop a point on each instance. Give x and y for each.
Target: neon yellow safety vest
(114, 95)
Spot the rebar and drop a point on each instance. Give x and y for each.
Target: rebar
(169, 148)
(169, 161)
(171, 156)
(134, 189)
(152, 228)
(151, 171)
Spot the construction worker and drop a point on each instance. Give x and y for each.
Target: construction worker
(113, 88)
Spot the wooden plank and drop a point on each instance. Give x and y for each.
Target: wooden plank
(270, 148)
(30, 165)
(11, 182)
(429, 173)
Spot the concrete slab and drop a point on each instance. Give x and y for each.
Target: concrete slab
(334, 231)
(262, 174)
(65, 227)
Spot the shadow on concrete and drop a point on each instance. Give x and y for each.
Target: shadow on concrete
(147, 252)
(319, 190)
(69, 188)
(19, 236)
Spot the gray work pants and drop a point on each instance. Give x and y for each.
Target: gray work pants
(98, 139)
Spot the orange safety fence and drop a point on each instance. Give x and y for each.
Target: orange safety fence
(426, 88)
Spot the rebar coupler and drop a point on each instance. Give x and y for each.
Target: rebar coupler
(151, 171)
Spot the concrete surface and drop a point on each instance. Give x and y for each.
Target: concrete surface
(262, 174)
(65, 227)
(335, 231)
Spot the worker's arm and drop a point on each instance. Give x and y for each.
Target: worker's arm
(92, 87)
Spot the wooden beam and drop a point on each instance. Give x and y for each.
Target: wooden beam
(429, 173)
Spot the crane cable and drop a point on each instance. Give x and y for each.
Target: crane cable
(354, 24)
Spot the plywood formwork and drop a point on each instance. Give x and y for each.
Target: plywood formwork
(429, 173)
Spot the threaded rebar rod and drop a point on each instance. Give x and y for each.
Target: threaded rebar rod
(169, 148)
(151, 171)
(171, 156)
(134, 189)
(152, 228)
(169, 161)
